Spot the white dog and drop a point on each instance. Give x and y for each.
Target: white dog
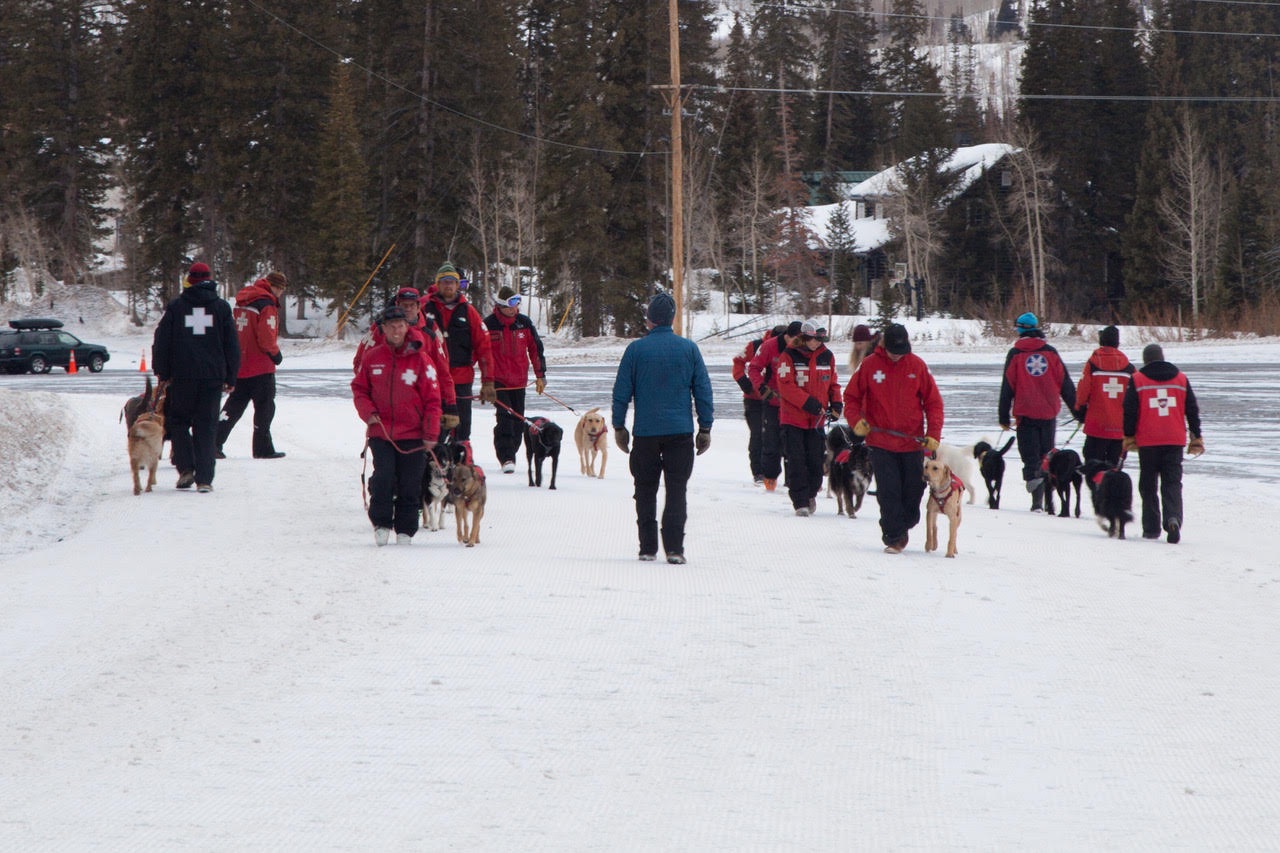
(961, 462)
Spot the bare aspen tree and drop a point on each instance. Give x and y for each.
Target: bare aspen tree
(479, 212)
(1190, 207)
(915, 218)
(1030, 202)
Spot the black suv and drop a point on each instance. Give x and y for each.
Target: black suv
(38, 346)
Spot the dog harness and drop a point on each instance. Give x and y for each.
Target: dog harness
(941, 499)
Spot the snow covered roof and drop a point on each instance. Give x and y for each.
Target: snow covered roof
(970, 162)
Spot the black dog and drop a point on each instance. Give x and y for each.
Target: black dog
(541, 440)
(1062, 468)
(991, 464)
(1112, 492)
(848, 469)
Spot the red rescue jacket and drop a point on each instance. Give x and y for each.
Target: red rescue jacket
(1162, 410)
(1100, 392)
(741, 362)
(900, 396)
(428, 337)
(402, 387)
(466, 340)
(1035, 382)
(516, 346)
(257, 316)
(807, 384)
(760, 370)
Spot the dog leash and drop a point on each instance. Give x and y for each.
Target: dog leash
(918, 439)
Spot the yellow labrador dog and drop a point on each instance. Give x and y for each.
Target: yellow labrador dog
(146, 440)
(592, 437)
(945, 493)
(467, 491)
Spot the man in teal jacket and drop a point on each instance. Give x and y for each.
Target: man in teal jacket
(661, 372)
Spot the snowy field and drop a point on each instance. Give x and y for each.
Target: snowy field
(244, 670)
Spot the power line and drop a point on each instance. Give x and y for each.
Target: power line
(467, 116)
(880, 93)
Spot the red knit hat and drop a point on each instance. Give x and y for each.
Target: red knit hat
(199, 272)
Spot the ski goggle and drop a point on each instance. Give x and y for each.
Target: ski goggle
(510, 301)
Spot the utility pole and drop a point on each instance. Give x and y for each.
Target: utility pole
(677, 171)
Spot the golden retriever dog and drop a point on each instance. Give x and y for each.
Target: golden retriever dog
(468, 493)
(592, 437)
(945, 492)
(146, 441)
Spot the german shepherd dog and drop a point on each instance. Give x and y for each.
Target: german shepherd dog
(991, 466)
(542, 440)
(848, 469)
(468, 493)
(591, 435)
(1112, 492)
(1062, 470)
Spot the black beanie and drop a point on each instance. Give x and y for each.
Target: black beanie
(1152, 352)
(1109, 337)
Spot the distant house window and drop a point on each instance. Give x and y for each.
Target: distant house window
(871, 210)
(1006, 178)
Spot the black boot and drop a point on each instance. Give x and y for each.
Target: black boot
(1036, 488)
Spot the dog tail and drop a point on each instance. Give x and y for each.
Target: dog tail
(1002, 451)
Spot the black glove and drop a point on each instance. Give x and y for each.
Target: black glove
(745, 384)
(277, 357)
(837, 409)
(622, 438)
(766, 393)
(702, 440)
(812, 406)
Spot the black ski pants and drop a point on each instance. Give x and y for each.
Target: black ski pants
(770, 443)
(1160, 486)
(668, 458)
(395, 489)
(1108, 450)
(899, 488)
(1035, 439)
(191, 416)
(804, 449)
(753, 411)
(261, 391)
(508, 428)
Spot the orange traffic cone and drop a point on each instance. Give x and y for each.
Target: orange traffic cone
(142, 365)
(71, 367)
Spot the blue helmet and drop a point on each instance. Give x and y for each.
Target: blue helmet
(1026, 323)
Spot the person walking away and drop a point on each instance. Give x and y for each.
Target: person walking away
(893, 401)
(660, 373)
(196, 353)
(810, 393)
(257, 316)
(1100, 398)
(397, 395)
(760, 371)
(1159, 409)
(752, 403)
(1034, 386)
(466, 342)
(423, 329)
(515, 345)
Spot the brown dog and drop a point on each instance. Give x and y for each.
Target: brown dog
(468, 493)
(592, 437)
(146, 441)
(945, 493)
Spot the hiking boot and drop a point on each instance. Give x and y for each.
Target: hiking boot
(1153, 534)
(647, 558)
(770, 484)
(1175, 531)
(1037, 495)
(676, 559)
(813, 505)
(275, 454)
(186, 479)
(803, 511)
(381, 535)
(897, 546)
(404, 538)
(758, 480)
(508, 467)
(204, 488)
(218, 454)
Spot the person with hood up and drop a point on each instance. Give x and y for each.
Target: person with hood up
(1100, 398)
(810, 392)
(196, 354)
(1159, 409)
(1034, 386)
(257, 316)
(514, 342)
(893, 402)
(397, 395)
(661, 372)
(466, 342)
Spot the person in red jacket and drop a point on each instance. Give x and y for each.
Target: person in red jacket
(1100, 398)
(752, 403)
(423, 330)
(257, 316)
(397, 394)
(1159, 409)
(810, 395)
(515, 345)
(892, 400)
(1035, 384)
(760, 372)
(466, 342)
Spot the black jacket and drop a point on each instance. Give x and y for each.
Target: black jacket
(196, 338)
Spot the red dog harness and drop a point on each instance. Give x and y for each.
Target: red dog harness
(941, 500)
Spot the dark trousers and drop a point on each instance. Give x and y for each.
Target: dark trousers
(753, 411)
(1108, 450)
(804, 449)
(191, 416)
(395, 489)
(668, 458)
(1035, 439)
(770, 443)
(899, 488)
(463, 431)
(1160, 485)
(261, 391)
(508, 428)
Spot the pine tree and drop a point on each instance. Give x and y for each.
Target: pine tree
(846, 127)
(917, 118)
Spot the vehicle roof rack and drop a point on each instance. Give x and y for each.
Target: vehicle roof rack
(35, 323)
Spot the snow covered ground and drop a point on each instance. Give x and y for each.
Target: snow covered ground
(244, 670)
